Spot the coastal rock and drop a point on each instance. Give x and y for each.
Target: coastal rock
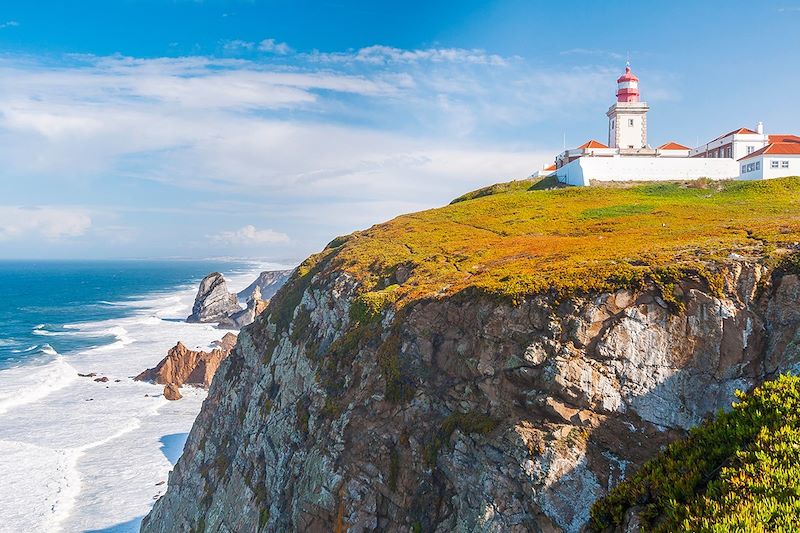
(183, 366)
(171, 392)
(213, 301)
(255, 306)
(102, 379)
(464, 413)
(268, 283)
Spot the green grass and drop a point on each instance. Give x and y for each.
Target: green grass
(740, 472)
(615, 211)
(522, 238)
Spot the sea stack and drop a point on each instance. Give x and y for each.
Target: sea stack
(172, 392)
(213, 301)
(255, 305)
(183, 366)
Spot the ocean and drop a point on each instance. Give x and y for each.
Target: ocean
(78, 455)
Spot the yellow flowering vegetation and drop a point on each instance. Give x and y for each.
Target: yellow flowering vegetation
(521, 238)
(737, 473)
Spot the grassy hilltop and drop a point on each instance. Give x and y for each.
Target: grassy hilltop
(520, 238)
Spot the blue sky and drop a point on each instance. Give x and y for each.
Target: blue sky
(191, 128)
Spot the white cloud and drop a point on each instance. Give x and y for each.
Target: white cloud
(238, 44)
(250, 235)
(378, 54)
(332, 143)
(50, 222)
(9, 24)
(271, 45)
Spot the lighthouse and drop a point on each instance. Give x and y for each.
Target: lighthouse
(627, 118)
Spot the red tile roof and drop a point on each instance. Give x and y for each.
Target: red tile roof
(551, 167)
(672, 145)
(592, 144)
(740, 131)
(784, 138)
(787, 148)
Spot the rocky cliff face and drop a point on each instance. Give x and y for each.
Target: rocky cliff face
(267, 283)
(255, 306)
(213, 301)
(465, 412)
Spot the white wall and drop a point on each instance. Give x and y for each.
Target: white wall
(580, 171)
(751, 169)
(630, 135)
(780, 172)
(765, 170)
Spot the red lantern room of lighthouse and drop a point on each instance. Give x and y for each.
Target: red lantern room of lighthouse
(627, 118)
(628, 87)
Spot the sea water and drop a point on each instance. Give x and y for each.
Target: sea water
(78, 454)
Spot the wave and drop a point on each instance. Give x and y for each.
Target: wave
(29, 349)
(26, 384)
(119, 333)
(47, 350)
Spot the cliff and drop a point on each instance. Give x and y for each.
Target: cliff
(267, 283)
(495, 365)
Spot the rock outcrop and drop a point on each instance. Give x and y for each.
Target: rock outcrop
(268, 283)
(213, 301)
(183, 366)
(255, 306)
(465, 412)
(172, 392)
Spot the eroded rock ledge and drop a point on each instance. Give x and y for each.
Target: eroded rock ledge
(464, 413)
(183, 366)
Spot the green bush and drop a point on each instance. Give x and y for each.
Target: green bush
(739, 472)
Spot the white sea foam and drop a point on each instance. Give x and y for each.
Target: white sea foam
(24, 385)
(80, 455)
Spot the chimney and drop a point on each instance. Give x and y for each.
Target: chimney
(760, 128)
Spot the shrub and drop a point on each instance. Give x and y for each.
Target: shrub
(739, 472)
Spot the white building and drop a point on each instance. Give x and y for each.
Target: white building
(629, 157)
(733, 145)
(775, 160)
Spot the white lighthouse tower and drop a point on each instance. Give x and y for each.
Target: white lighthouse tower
(627, 118)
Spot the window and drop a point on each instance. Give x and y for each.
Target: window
(785, 164)
(773, 164)
(751, 167)
(630, 122)
(612, 123)
(728, 152)
(751, 149)
(758, 165)
(744, 169)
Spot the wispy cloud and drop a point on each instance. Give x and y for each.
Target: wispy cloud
(9, 24)
(271, 45)
(343, 139)
(50, 222)
(382, 55)
(249, 235)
